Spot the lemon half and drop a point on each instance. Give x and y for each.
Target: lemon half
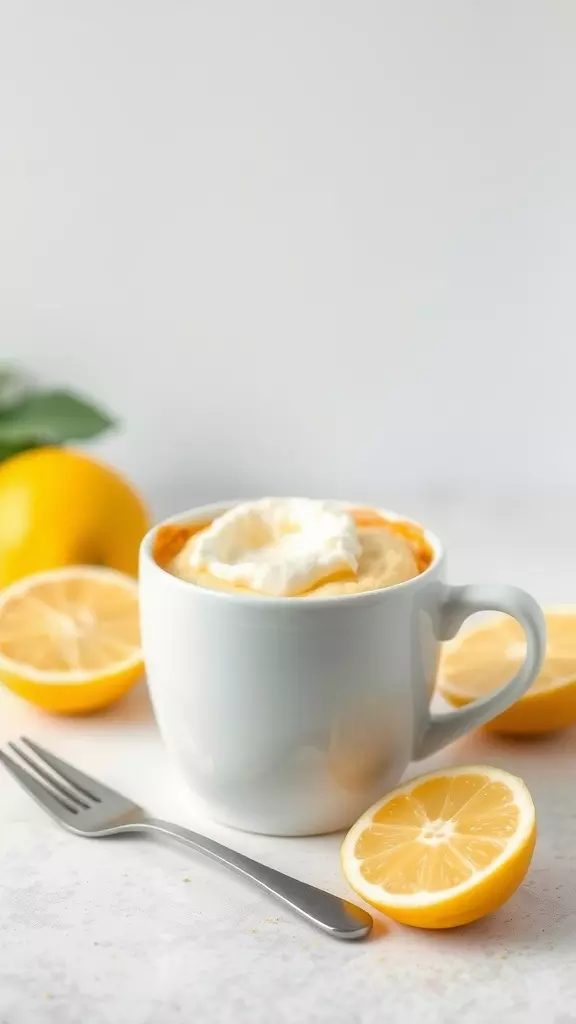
(444, 849)
(485, 657)
(70, 639)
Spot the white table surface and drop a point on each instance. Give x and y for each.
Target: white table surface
(130, 931)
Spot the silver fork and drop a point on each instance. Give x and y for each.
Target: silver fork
(88, 808)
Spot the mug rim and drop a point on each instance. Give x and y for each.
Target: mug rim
(271, 601)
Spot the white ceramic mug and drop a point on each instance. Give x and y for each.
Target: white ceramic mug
(291, 716)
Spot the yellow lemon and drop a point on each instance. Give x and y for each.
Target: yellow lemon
(59, 507)
(483, 658)
(70, 639)
(444, 849)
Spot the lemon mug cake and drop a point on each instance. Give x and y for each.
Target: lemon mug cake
(295, 547)
(291, 649)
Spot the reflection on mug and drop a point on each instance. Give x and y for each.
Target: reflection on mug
(357, 753)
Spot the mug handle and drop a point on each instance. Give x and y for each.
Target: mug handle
(457, 605)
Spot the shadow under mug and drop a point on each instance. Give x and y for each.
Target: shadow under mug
(292, 716)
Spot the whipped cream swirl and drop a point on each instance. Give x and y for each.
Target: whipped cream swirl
(279, 546)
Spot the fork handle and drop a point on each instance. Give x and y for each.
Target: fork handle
(336, 916)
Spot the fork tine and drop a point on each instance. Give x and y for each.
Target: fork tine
(87, 785)
(71, 797)
(57, 806)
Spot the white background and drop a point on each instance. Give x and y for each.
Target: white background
(322, 247)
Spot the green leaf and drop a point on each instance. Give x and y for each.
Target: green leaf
(7, 450)
(50, 418)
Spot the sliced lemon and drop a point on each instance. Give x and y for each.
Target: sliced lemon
(444, 849)
(70, 638)
(487, 656)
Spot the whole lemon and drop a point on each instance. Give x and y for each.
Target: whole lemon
(59, 507)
